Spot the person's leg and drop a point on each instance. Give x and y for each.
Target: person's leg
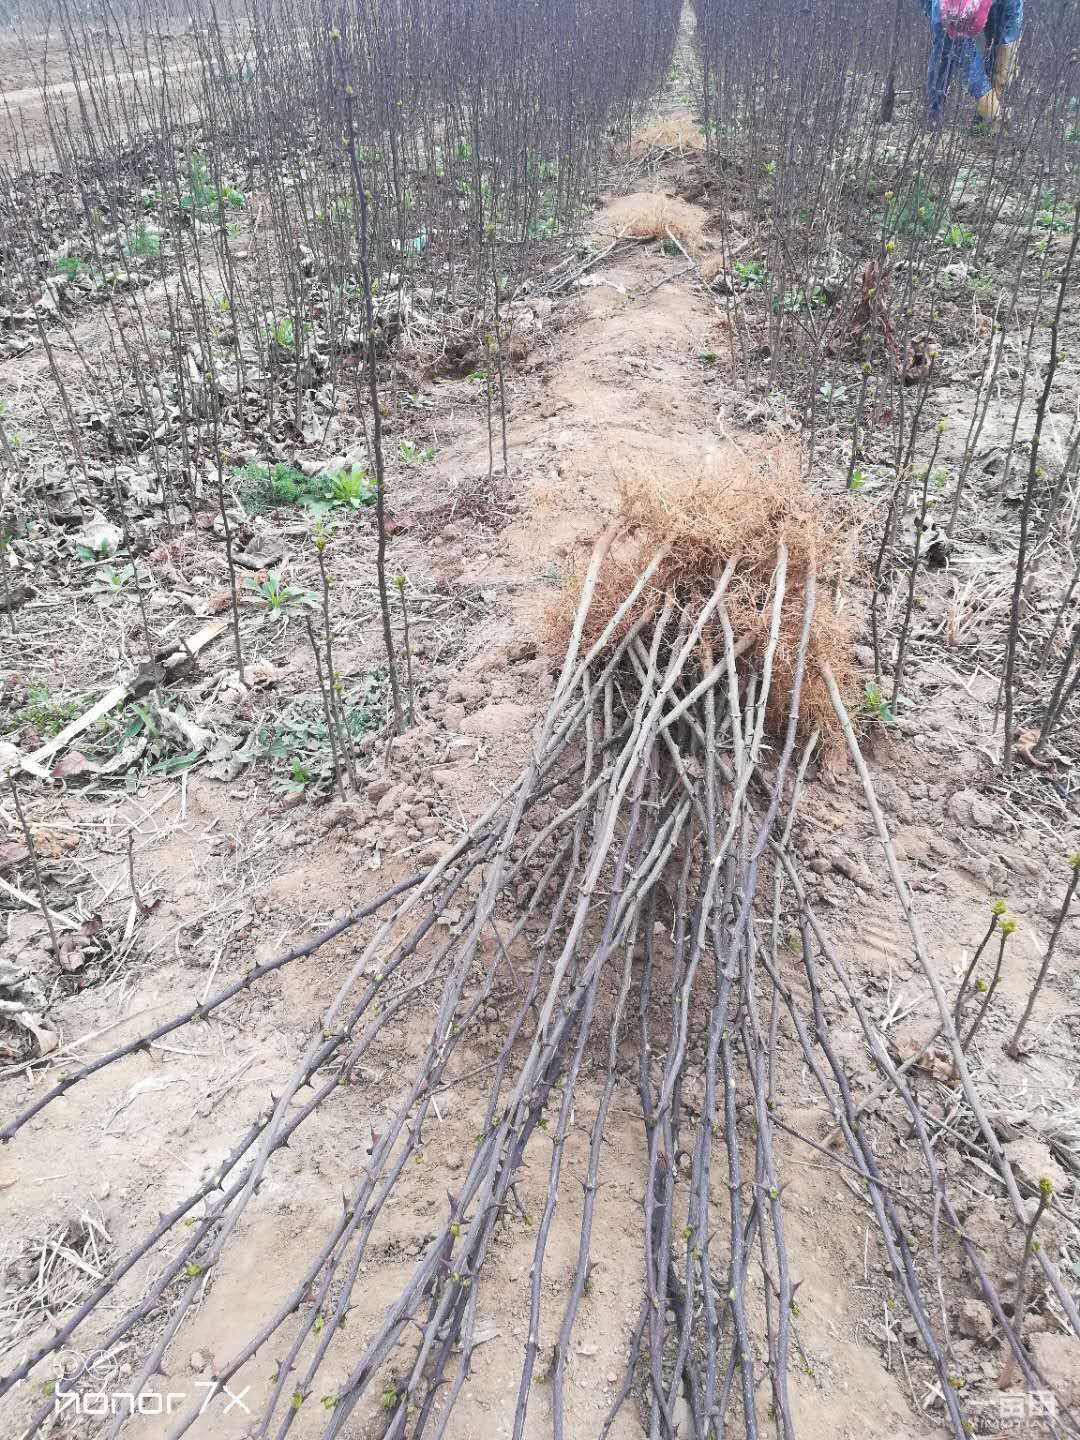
(978, 72)
(1007, 19)
(993, 34)
(945, 55)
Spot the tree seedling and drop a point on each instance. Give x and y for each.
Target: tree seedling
(1013, 1047)
(1006, 927)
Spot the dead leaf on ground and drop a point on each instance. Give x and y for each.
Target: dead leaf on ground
(263, 674)
(12, 853)
(1026, 740)
(77, 948)
(936, 1063)
(74, 763)
(51, 844)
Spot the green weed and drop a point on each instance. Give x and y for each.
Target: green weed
(751, 273)
(143, 243)
(161, 755)
(69, 266)
(283, 333)
(267, 487)
(791, 302)
(959, 237)
(278, 596)
(863, 484)
(108, 583)
(350, 489)
(45, 714)
(414, 454)
(918, 211)
(876, 706)
(201, 194)
(298, 741)
(1053, 216)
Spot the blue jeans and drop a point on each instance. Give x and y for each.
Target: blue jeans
(947, 56)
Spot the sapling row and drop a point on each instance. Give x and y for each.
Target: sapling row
(281, 199)
(871, 233)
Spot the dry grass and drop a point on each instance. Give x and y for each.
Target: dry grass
(679, 132)
(732, 505)
(645, 216)
(47, 1276)
(712, 266)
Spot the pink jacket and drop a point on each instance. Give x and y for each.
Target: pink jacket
(964, 17)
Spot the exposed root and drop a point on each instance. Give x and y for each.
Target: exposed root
(733, 507)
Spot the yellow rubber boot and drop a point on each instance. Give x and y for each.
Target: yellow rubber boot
(1004, 69)
(989, 109)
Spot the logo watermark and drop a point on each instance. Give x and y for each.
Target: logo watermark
(1016, 1410)
(107, 1400)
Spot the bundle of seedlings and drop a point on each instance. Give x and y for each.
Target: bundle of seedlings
(610, 938)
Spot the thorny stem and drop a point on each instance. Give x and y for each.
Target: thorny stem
(360, 197)
(901, 651)
(328, 712)
(1013, 637)
(1008, 1373)
(28, 836)
(1007, 928)
(233, 587)
(1013, 1047)
(958, 1009)
(399, 582)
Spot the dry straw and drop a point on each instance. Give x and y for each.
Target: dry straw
(732, 504)
(645, 216)
(679, 131)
